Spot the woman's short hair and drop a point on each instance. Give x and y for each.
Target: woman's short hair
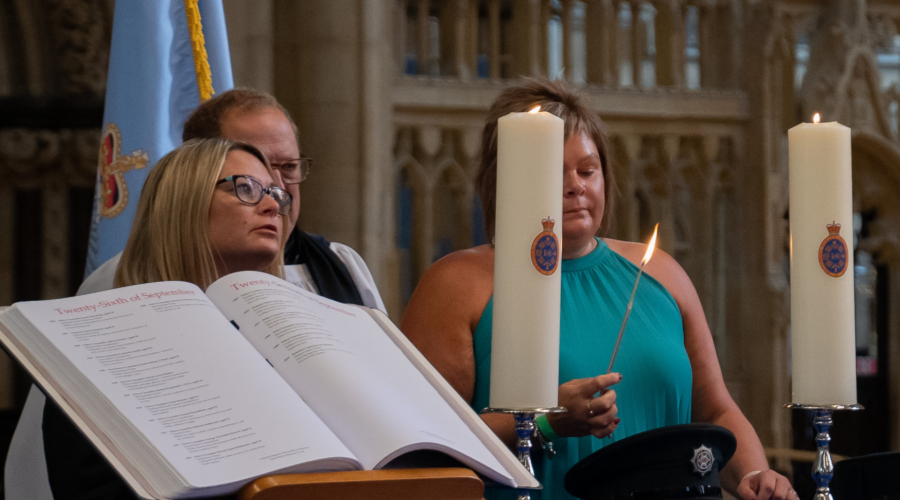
(556, 97)
(169, 239)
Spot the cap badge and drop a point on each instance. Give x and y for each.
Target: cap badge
(703, 460)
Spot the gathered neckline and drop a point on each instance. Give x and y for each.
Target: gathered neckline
(596, 256)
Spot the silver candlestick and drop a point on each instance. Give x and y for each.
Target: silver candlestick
(823, 468)
(524, 430)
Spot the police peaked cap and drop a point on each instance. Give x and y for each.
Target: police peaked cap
(680, 461)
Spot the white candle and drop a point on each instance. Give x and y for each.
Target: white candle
(525, 342)
(822, 307)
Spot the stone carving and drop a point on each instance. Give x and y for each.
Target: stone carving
(858, 98)
(841, 80)
(25, 151)
(656, 168)
(80, 31)
(33, 155)
(882, 31)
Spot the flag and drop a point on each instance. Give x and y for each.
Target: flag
(166, 56)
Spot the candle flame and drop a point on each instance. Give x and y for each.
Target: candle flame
(816, 118)
(535, 109)
(650, 246)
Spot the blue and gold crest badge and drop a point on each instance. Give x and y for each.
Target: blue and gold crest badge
(545, 249)
(833, 252)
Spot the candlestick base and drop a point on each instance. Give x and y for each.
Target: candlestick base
(801, 406)
(524, 430)
(823, 468)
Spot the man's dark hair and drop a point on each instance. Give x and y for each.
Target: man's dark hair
(206, 121)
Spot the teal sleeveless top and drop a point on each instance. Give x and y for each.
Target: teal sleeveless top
(656, 387)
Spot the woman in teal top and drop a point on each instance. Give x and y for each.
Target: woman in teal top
(657, 391)
(667, 371)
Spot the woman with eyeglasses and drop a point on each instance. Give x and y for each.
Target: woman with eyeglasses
(209, 208)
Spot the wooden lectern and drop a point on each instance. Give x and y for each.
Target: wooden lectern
(402, 484)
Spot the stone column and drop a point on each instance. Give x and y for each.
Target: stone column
(615, 36)
(706, 32)
(701, 186)
(638, 43)
(544, 40)
(494, 30)
(670, 44)
(658, 155)
(471, 46)
(423, 37)
(600, 28)
(623, 156)
(759, 327)
(455, 34)
(250, 41)
(730, 32)
(430, 140)
(530, 39)
(567, 55)
(401, 35)
(333, 72)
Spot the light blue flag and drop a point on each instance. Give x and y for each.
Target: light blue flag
(151, 90)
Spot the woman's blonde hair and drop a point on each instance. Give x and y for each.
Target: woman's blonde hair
(169, 239)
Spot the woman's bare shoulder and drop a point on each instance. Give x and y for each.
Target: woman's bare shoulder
(463, 280)
(473, 267)
(632, 251)
(662, 267)
(478, 260)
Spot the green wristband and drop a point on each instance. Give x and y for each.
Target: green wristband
(546, 429)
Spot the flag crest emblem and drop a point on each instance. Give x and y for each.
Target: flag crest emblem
(833, 252)
(545, 249)
(111, 179)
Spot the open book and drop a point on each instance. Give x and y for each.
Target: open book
(190, 394)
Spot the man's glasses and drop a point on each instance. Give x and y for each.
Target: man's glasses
(251, 191)
(293, 171)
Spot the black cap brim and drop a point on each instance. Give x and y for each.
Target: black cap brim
(659, 459)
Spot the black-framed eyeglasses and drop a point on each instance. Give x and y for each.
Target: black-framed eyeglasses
(293, 171)
(251, 191)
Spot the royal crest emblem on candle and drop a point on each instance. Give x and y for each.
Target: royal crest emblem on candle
(545, 249)
(833, 252)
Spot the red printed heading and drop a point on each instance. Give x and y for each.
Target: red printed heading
(103, 304)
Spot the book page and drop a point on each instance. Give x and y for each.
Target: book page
(344, 365)
(168, 360)
(511, 463)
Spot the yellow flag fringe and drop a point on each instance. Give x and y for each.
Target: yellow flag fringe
(198, 45)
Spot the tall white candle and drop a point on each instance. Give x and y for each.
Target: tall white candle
(528, 252)
(822, 307)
